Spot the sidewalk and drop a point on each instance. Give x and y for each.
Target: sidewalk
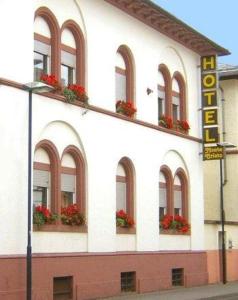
(219, 291)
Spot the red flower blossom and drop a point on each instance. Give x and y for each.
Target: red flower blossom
(176, 222)
(43, 215)
(50, 80)
(123, 219)
(71, 215)
(125, 107)
(166, 122)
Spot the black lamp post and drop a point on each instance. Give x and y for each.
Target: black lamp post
(37, 87)
(224, 145)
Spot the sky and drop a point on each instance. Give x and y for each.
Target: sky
(216, 19)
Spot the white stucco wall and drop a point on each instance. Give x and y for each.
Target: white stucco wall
(102, 139)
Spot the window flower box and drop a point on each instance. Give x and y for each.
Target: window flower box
(166, 122)
(70, 220)
(124, 220)
(174, 225)
(182, 126)
(60, 228)
(42, 215)
(71, 93)
(125, 108)
(71, 215)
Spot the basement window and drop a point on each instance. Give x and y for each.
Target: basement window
(177, 277)
(128, 281)
(63, 288)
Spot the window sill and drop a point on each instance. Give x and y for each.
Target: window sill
(185, 132)
(173, 232)
(60, 228)
(126, 230)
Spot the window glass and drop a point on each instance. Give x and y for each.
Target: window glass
(121, 195)
(41, 59)
(68, 66)
(120, 86)
(68, 184)
(41, 186)
(177, 196)
(161, 103)
(162, 196)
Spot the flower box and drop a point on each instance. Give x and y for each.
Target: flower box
(173, 232)
(60, 228)
(71, 93)
(126, 230)
(125, 108)
(174, 224)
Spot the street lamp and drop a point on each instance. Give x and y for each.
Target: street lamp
(224, 145)
(31, 87)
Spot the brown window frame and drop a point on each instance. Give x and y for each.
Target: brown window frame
(129, 179)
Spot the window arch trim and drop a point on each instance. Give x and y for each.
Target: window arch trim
(129, 170)
(51, 150)
(80, 175)
(182, 94)
(128, 58)
(80, 49)
(167, 88)
(169, 184)
(184, 189)
(52, 22)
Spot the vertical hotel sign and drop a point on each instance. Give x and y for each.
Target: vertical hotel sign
(209, 109)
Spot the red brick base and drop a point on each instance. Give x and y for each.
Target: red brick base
(98, 275)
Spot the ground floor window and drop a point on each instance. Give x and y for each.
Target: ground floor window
(63, 288)
(128, 281)
(177, 277)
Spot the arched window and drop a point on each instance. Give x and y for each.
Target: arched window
(68, 58)
(177, 196)
(176, 103)
(68, 180)
(165, 185)
(72, 54)
(124, 75)
(178, 98)
(180, 188)
(125, 187)
(41, 179)
(164, 91)
(46, 44)
(45, 176)
(72, 178)
(161, 96)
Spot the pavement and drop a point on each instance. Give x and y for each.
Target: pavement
(228, 291)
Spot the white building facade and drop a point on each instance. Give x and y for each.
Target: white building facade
(117, 50)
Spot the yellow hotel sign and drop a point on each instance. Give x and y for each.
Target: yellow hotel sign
(209, 108)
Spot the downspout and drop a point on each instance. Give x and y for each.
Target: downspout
(223, 129)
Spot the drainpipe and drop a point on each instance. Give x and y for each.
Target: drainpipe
(223, 129)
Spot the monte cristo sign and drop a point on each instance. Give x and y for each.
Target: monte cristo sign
(209, 109)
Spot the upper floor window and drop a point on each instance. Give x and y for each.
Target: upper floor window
(176, 102)
(161, 95)
(163, 196)
(68, 180)
(164, 92)
(178, 98)
(125, 187)
(68, 58)
(72, 54)
(41, 179)
(73, 178)
(180, 194)
(42, 48)
(177, 196)
(124, 75)
(120, 78)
